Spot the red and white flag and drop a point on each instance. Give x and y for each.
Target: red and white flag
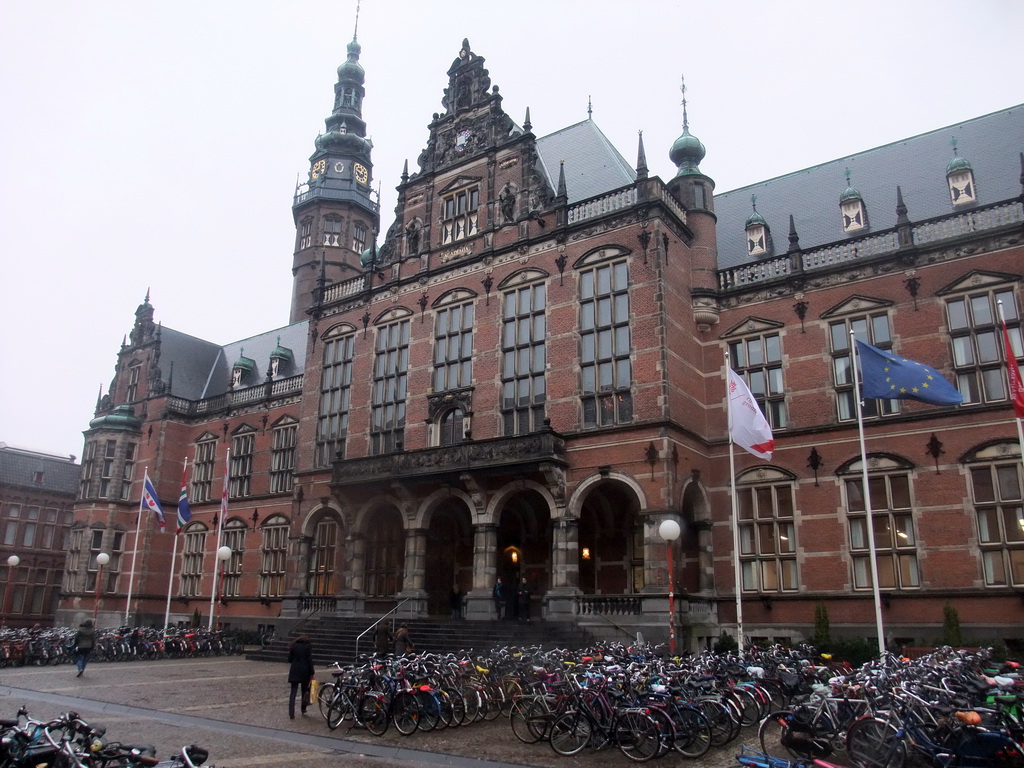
(1013, 374)
(747, 426)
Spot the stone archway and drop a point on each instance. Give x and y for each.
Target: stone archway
(611, 541)
(524, 540)
(448, 555)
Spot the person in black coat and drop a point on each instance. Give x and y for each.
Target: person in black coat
(300, 672)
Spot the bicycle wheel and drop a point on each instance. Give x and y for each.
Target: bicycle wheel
(529, 719)
(430, 711)
(570, 733)
(637, 736)
(750, 710)
(771, 732)
(373, 714)
(458, 705)
(511, 690)
(720, 721)
(405, 713)
(495, 702)
(873, 743)
(693, 733)
(339, 709)
(474, 703)
(323, 698)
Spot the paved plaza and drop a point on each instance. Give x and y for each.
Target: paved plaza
(238, 710)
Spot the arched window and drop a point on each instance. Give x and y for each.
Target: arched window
(192, 560)
(274, 556)
(233, 537)
(450, 429)
(320, 579)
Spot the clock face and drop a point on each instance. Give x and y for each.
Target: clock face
(318, 169)
(360, 172)
(339, 167)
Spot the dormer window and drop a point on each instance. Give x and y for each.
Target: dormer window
(281, 360)
(460, 215)
(960, 178)
(243, 372)
(759, 242)
(851, 207)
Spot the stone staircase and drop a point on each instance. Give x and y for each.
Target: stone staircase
(334, 637)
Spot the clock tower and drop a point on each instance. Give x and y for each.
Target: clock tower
(336, 219)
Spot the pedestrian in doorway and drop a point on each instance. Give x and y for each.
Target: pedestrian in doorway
(85, 641)
(382, 639)
(403, 643)
(300, 672)
(523, 595)
(455, 602)
(498, 593)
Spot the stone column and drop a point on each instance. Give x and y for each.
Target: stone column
(565, 569)
(295, 581)
(351, 598)
(479, 604)
(414, 576)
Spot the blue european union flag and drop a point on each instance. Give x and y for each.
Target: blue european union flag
(889, 376)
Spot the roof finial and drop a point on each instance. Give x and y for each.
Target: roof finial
(355, 32)
(847, 176)
(147, 297)
(641, 158)
(753, 202)
(590, 108)
(952, 143)
(682, 90)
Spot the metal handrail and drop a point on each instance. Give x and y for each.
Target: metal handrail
(378, 621)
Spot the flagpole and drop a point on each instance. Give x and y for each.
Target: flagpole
(135, 551)
(1011, 359)
(867, 500)
(737, 572)
(170, 584)
(220, 527)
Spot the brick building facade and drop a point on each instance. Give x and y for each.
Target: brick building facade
(525, 376)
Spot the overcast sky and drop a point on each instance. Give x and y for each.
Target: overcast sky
(155, 145)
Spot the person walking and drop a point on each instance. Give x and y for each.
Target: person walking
(85, 641)
(498, 593)
(523, 595)
(455, 602)
(300, 672)
(382, 639)
(403, 643)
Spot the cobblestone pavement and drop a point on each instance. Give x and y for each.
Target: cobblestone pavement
(238, 710)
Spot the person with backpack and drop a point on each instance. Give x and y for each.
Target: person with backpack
(85, 641)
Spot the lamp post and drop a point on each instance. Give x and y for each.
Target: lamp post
(223, 555)
(669, 531)
(101, 559)
(12, 563)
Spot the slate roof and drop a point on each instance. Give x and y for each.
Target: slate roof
(203, 369)
(990, 143)
(18, 468)
(592, 165)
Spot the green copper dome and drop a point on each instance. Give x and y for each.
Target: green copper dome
(850, 194)
(352, 71)
(753, 219)
(957, 164)
(686, 153)
(122, 418)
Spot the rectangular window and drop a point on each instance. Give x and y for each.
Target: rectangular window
(460, 215)
(274, 551)
(390, 374)
(978, 349)
(88, 465)
(242, 447)
(107, 468)
(358, 237)
(759, 361)
(129, 471)
(332, 231)
(233, 538)
(202, 471)
(767, 538)
(305, 233)
(999, 509)
(874, 330)
(133, 383)
(524, 359)
(453, 348)
(282, 458)
(895, 537)
(192, 562)
(606, 373)
(335, 389)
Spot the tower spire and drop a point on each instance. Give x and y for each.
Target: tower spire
(355, 32)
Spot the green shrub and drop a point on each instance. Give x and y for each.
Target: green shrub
(726, 643)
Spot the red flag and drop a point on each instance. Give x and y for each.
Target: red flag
(1013, 374)
(748, 427)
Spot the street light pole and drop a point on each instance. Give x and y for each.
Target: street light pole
(101, 559)
(12, 563)
(669, 531)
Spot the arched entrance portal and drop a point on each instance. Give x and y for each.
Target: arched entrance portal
(449, 556)
(611, 541)
(385, 553)
(325, 556)
(524, 544)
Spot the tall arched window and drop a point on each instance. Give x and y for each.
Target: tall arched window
(320, 578)
(450, 427)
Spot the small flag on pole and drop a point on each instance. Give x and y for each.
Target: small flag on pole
(149, 499)
(1013, 374)
(890, 376)
(184, 511)
(748, 427)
